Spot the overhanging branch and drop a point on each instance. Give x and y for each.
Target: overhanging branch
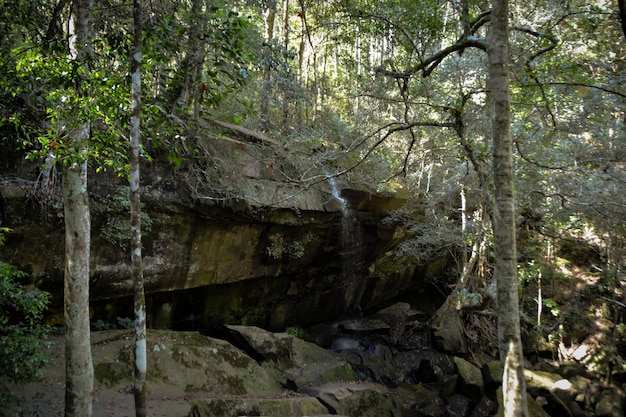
(399, 127)
(427, 66)
(574, 84)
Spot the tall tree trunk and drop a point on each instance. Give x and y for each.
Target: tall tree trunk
(287, 93)
(79, 366)
(505, 271)
(622, 15)
(79, 377)
(195, 58)
(270, 19)
(186, 88)
(141, 365)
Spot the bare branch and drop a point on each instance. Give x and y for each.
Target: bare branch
(427, 66)
(574, 84)
(554, 41)
(252, 135)
(399, 127)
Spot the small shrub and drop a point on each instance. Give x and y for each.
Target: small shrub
(297, 332)
(23, 341)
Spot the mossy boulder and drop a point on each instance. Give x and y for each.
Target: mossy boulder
(292, 361)
(314, 365)
(369, 403)
(356, 399)
(492, 374)
(225, 407)
(187, 360)
(611, 404)
(471, 378)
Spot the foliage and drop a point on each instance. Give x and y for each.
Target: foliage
(22, 335)
(347, 91)
(121, 323)
(432, 228)
(278, 249)
(40, 82)
(298, 332)
(468, 299)
(116, 229)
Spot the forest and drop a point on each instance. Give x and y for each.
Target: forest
(500, 124)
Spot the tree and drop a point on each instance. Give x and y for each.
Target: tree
(622, 14)
(79, 383)
(141, 365)
(270, 17)
(399, 92)
(504, 230)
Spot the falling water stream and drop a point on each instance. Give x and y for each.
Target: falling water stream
(349, 233)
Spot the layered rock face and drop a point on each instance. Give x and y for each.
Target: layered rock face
(285, 255)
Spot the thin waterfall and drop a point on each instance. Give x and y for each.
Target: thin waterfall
(349, 234)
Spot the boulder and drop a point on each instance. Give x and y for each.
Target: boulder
(470, 378)
(379, 370)
(229, 407)
(261, 344)
(369, 403)
(459, 405)
(292, 361)
(395, 316)
(182, 366)
(355, 399)
(492, 374)
(611, 403)
(424, 366)
(195, 363)
(419, 399)
(315, 366)
(556, 391)
(485, 408)
(449, 332)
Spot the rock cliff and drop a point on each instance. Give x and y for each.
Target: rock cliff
(285, 254)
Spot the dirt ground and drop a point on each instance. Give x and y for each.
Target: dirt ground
(45, 398)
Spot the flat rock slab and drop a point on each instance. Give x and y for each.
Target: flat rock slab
(275, 407)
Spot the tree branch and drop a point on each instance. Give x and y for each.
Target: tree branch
(427, 66)
(573, 84)
(554, 41)
(398, 128)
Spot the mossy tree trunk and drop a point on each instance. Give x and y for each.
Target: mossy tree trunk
(141, 365)
(505, 271)
(79, 378)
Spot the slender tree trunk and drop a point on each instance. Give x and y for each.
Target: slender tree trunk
(505, 271)
(196, 57)
(312, 81)
(79, 378)
(270, 19)
(141, 366)
(622, 14)
(287, 93)
(187, 89)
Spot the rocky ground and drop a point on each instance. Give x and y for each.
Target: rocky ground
(375, 366)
